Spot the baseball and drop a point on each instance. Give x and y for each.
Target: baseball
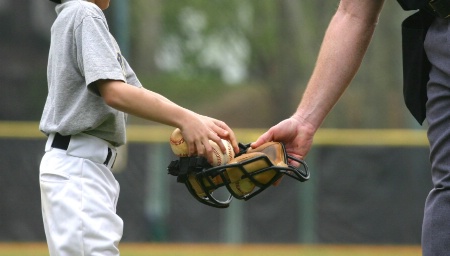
(177, 144)
(243, 187)
(180, 148)
(220, 158)
(246, 186)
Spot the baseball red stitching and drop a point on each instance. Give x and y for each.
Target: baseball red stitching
(219, 159)
(229, 152)
(177, 142)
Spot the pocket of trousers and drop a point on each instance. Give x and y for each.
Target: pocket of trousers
(52, 167)
(53, 185)
(54, 177)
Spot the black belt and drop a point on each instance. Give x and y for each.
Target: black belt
(62, 142)
(440, 8)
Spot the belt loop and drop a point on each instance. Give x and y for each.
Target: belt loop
(110, 158)
(48, 144)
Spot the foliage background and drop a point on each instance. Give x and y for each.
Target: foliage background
(221, 58)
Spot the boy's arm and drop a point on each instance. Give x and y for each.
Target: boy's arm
(140, 102)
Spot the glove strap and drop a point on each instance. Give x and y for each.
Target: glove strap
(187, 165)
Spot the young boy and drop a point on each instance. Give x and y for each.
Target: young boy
(91, 89)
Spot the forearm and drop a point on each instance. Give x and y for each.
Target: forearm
(340, 56)
(143, 103)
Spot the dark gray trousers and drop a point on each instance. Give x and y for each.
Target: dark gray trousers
(436, 223)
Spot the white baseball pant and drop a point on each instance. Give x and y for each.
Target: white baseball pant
(79, 197)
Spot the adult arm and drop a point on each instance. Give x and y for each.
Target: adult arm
(343, 48)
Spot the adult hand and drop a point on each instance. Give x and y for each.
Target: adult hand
(296, 134)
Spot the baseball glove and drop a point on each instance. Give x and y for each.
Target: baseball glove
(248, 174)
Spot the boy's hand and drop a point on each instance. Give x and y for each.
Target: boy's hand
(198, 131)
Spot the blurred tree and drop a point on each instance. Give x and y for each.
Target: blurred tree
(145, 33)
(283, 40)
(267, 43)
(272, 45)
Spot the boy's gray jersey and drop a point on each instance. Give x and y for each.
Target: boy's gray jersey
(83, 51)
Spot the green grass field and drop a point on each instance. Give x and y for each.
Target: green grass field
(131, 249)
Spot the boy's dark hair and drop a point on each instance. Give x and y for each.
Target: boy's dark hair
(56, 1)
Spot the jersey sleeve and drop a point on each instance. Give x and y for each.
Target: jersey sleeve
(98, 55)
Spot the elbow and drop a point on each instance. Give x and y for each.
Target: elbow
(110, 92)
(111, 100)
(360, 13)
